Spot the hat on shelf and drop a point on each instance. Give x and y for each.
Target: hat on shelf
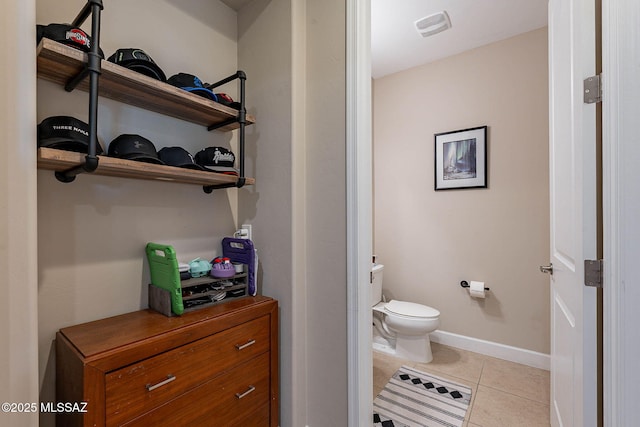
(66, 34)
(137, 60)
(192, 84)
(217, 159)
(134, 147)
(65, 133)
(225, 99)
(179, 157)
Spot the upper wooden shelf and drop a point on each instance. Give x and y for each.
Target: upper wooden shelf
(60, 160)
(60, 63)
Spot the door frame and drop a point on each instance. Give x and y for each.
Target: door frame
(620, 143)
(359, 211)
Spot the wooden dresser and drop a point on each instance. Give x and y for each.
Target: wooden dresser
(212, 367)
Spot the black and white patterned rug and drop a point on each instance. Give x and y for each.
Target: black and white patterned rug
(412, 398)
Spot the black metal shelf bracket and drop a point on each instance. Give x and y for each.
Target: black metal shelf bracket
(242, 120)
(93, 70)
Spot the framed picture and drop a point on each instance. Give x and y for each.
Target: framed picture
(461, 159)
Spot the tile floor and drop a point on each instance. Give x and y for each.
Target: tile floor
(505, 394)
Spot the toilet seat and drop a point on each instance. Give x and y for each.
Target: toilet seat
(411, 310)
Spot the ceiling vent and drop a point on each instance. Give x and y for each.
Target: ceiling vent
(433, 24)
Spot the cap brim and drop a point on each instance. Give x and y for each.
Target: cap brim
(146, 68)
(189, 166)
(200, 91)
(142, 158)
(222, 169)
(64, 144)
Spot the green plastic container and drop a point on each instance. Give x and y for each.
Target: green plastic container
(163, 265)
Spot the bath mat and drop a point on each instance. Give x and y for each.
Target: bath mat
(412, 398)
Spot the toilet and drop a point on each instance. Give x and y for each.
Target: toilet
(401, 328)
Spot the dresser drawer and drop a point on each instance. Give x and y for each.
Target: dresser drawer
(239, 397)
(141, 387)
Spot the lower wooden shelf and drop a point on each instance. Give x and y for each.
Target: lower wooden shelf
(61, 160)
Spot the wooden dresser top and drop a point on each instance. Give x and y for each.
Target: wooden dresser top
(105, 335)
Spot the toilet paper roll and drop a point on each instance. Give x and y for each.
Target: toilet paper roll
(476, 289)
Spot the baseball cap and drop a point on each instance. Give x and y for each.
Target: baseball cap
(66, 34)
(192, 84)
(65, 133)
(137, 60)
(217, 159)
(134, 147)
(179, 157)
(225, 99)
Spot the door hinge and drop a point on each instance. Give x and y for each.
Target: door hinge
(593, 273)
(592, 89)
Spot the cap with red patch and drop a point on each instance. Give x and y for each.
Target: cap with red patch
(66, 34)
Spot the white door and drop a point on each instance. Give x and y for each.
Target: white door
(572, 130)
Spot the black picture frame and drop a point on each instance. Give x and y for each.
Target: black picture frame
(460, 159)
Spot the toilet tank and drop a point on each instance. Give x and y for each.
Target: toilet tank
(376, 283)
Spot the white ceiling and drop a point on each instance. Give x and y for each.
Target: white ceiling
(396, 44)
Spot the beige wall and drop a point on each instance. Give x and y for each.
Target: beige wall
(264, 53)
(297, 206)
(326, 216)
(429, 241)
(18, 232)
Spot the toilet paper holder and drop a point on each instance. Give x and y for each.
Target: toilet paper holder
(465, 284)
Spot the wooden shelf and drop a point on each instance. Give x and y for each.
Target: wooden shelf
(60, 63)
(60, 160)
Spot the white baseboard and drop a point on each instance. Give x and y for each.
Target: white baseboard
(493, 349)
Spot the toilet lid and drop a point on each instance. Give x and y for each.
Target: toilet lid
(411, 309)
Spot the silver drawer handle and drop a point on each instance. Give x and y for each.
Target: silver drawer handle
(251, 389)
(243, 346)
(161, 383)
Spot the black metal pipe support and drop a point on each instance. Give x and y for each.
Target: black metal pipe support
(93, 68)
(242, 120)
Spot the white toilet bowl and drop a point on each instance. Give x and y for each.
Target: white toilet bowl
(403, 327)
(410, 325)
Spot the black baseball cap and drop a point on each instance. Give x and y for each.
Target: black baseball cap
(66, 34)
(192, 84)
(179, 157)
(137, 60)
(217, 159)
(134, 147)
(65, 133)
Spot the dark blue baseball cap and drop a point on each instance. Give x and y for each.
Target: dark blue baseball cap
(192, 84)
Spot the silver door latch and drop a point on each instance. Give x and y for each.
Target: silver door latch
(547, 269)
(593, 273)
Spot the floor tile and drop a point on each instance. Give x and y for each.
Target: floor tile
(495, 408)
(384, 366)
(454, 361)
(514, 378)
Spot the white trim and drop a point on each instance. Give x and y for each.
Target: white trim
(621, 149)
(493, 349)
(612, 387)
(359, 212)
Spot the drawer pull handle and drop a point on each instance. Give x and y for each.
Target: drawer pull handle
(161, 383)
(247, 344)
(251, 389)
